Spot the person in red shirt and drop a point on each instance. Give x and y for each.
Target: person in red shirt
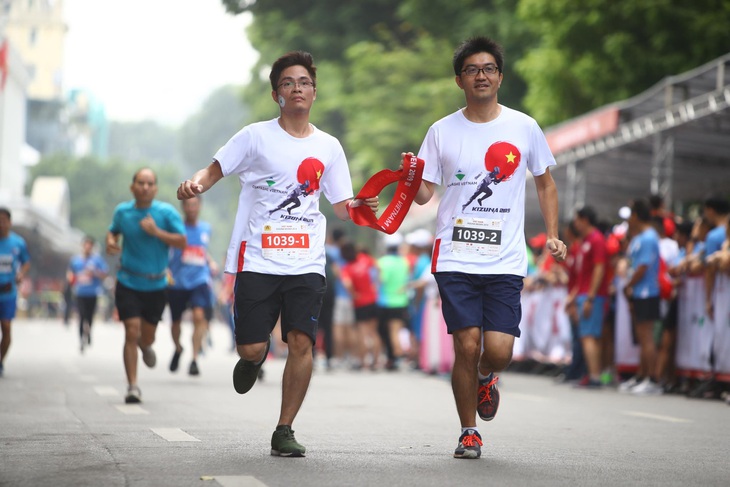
(592, 292)
(359, 276)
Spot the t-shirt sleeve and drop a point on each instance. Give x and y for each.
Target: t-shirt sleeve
(336, 182)
(429, 152)
(234, 156)
(173, 220)
(540, 156)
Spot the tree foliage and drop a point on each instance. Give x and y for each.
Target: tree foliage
(97, 187)
(599, 51)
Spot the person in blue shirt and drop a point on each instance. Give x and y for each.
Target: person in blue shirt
(642, 291)
(190, 283)
(715, 209)
(86, 273)
(142, 231)
(14, 266)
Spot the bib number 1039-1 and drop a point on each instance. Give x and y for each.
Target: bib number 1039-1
(282, 241)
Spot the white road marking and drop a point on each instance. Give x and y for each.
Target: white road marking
(173, 434)
(235, 480)
(658, 417)
(106, 391)
(131, 409)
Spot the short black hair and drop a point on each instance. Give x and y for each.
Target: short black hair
(6, 212)
(293, 58)
(348, 252)
(589, 214)
(475, 45)
(719, 204)
(89, 238)
(640, 208)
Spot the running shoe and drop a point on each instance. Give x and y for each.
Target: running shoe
(194, 368)
(134, 395)
(647, 388)
(587, 383)
(488, 396)
(629, 384)
(175, 362)
(149, 357)
(246, 372)
(2, 369)
(470, 443)
(283, 443)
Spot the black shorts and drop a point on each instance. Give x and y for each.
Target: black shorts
(147, 305)
(366, 313)
(670, 320)
(646, 309)
(388, 314)
(182, 299)
(261, 298)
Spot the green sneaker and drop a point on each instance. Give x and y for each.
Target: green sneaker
(245, 372)
(283, 443)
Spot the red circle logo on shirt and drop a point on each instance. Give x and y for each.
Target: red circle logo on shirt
(503, 155)
(311, 169)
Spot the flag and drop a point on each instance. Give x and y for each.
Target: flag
(3, 64)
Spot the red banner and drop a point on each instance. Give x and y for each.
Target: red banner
(409, 180)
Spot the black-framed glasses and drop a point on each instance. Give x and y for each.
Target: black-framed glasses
(488, 69)
(290, 83)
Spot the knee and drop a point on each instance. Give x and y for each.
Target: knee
(299, 342)
(253, 352)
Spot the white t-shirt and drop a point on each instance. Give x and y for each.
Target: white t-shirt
(481, 217)
(279, 228)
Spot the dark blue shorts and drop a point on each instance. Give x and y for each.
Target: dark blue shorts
(489, 302)
(7, 309)
(182, 299)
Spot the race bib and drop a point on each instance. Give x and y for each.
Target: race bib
(285, 241)
(478, 236)
(194, 255)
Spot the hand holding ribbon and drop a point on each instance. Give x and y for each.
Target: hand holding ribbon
(409, 180)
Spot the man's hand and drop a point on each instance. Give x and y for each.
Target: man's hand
(373, 203)
(557, 249)
(148, 225)
(112, 244)
(188, 189)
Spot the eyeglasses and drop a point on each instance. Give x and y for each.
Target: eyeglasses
(487, 69)
(289, 84)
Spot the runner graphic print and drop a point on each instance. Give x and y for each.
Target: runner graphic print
(309, 174)
(500, 161)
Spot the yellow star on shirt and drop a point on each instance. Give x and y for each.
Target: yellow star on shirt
(511, 157)
(319, 174)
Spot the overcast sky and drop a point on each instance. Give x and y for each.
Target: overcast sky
(155, 59)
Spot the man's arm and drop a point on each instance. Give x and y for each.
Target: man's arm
(112, 243)
(200, 182)
(178, 240)
(425, 192)
(341, 207)
(547, 195)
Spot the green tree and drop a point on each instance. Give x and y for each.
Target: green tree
(97, 187)
(599, 51)
(143, 141)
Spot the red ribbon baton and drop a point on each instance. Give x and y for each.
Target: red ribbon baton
(409, 180)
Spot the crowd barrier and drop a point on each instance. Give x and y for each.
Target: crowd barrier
(702, 350)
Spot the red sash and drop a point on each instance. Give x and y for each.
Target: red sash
(409, 180)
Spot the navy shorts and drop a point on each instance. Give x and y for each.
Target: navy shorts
(7, 309)
(182, 299)
(486, 301)
(261, 298)
(147, 305)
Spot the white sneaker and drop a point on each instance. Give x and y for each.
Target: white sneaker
(647, 388)
(628, 385)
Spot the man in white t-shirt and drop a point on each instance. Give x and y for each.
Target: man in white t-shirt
(277, 249)
(480, 255)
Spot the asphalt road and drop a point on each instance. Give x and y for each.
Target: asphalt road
(63, 422)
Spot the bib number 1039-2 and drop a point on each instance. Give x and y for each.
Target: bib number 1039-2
(477, 236)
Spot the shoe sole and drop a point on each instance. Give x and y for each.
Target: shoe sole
(468, 455)
(296, 454)
(132, 400)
